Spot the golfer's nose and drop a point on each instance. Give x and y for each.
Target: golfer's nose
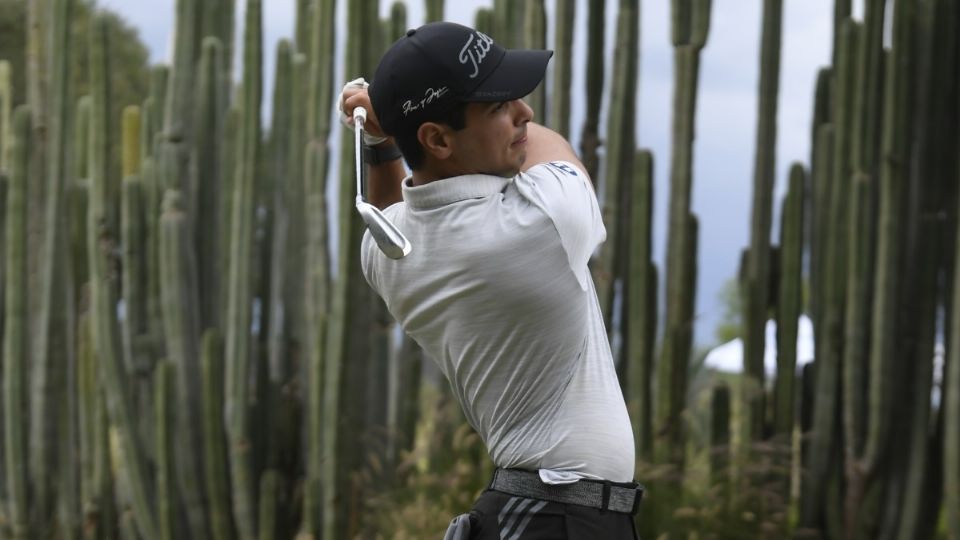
(523, 113)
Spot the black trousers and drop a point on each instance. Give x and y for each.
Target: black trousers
(499, 516)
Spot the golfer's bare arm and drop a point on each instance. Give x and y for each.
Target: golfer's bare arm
(383, 180)
(545, 145)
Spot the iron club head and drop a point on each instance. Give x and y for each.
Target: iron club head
(389, 239)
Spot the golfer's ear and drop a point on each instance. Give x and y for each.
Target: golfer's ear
(433, 138)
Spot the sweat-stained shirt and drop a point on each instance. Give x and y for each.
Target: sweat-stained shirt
(497, 292)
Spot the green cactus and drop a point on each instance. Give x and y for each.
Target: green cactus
(178, 107)
(484, 22)
(755, 288)
(106, 337)
(6, 105)
(164, 424)
(611, 265)
(239, 299)
(694, 18)
(719, 433)
(434, 10)
(641, 307)
(344, 407)
(590, 138)
(206, 177)
(562, 66)
(951, 384)
(51, 347)
(819, 188)
(789, 303)
(16, 342)
(132, 217)
(215, 451)
(822, 447)
(269, 493)
(317, 304)
(181, 323)
(535, 37)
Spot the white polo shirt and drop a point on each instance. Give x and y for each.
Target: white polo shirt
(497, 292)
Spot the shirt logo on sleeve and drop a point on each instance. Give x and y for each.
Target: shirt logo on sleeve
(563, 167)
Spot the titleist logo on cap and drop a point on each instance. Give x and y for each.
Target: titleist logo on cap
(475, 50)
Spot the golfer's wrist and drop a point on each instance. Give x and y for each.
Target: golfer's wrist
(380, 154)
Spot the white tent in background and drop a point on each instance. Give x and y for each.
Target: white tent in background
(729, 356)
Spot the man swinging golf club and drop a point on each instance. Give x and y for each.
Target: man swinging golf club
(502, 220)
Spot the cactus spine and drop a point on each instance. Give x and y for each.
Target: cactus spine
(15, 343)
(102, 240)
(239, 299)
(691, 21)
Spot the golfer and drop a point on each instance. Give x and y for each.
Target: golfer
(503, 220)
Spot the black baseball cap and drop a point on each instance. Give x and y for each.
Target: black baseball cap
(439, 64)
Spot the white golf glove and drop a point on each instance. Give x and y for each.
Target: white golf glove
(368, 139)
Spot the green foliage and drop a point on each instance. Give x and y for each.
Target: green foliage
(731, 325)
(440, 478)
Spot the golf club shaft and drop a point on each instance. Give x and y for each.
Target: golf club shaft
(359, 117)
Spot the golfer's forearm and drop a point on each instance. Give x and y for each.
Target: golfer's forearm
(545, 145)
(383, 183)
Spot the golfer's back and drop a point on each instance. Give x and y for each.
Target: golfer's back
(497, 292)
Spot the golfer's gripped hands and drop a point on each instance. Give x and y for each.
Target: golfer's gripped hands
(353, 95)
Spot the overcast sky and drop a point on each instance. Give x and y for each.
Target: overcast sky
(726, 110)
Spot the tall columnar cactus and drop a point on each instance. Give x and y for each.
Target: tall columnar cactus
(610, 266)
(106, 335)
(719, 433)
(951, 445)
(641, 306)
(181, 327)
(214, 447)
(894, 175)
(239, 300)
(755, 284)
(51, 347)
(316, 306)
(819, 203)
(535, 37)
(6, 106)
(16, 342)
(484, 21)
(347, 348)
(562, 66)
(822, 446)
(207, 179)
(434, 10)
(789, 303)
(590, 137)
(178, 107)
(164, 424)
(132, 218)
(691, 24)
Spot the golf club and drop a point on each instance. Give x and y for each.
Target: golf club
(391, 241)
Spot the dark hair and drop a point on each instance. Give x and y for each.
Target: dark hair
(454, 116)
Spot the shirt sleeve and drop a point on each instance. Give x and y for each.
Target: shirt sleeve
(563, 192)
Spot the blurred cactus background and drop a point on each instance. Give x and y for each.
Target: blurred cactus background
(189, 349)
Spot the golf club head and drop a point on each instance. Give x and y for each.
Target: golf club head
(389, 239)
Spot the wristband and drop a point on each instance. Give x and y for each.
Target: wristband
(375, 155)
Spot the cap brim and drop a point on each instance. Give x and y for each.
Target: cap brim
(519, 73)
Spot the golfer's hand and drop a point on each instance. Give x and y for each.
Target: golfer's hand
(355, 95)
